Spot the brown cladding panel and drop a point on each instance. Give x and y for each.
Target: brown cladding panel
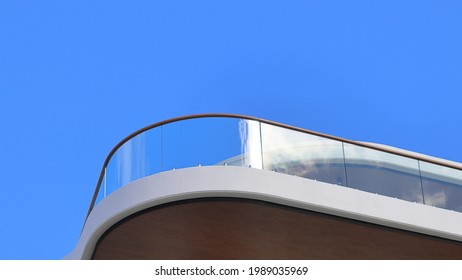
(225, 228)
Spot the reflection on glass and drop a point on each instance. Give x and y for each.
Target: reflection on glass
(249, 134)
(383, 173)
(248, 143)
(302, 154)
(211, 141)
(136, 158)
(442, 186)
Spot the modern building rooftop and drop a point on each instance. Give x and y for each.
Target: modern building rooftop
(222, 186)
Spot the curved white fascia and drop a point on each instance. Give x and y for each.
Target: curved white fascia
(241, 182)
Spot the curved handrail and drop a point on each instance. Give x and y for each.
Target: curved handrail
(381, 148)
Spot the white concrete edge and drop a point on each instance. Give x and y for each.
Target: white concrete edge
(239, 182)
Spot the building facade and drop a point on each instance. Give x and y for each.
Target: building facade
(236, 187)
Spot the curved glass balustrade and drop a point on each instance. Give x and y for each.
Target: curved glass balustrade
(253, 143)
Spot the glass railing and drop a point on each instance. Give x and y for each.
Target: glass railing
(231, 140)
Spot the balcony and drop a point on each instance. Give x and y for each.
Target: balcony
(229, 140)
(254, 181)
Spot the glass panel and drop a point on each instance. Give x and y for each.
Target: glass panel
(251, 150)
(383, 173)
(240, 142)
(211, 141)
(442, 186)
(302, 154)
(102, 189)
(138, 157)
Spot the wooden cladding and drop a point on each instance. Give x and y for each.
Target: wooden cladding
(228, 228)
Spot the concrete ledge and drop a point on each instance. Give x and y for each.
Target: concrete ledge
(240, 182)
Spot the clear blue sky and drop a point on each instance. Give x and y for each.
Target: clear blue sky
(78, 76)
